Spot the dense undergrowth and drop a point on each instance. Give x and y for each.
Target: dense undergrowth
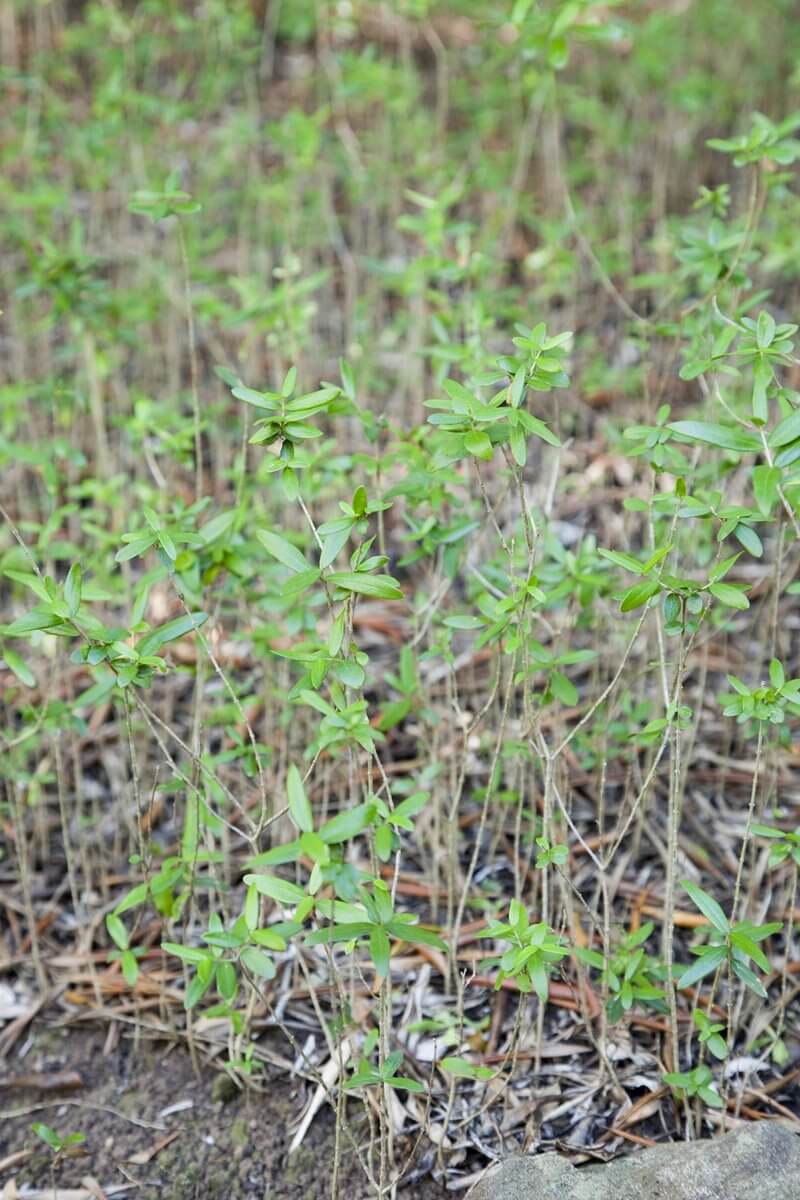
(400, 484)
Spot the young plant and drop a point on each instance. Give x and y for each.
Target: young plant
(367, 1075)
(733, 945)
(697, 1082)
(631, 975)
(534, 951)
(60, 1144)
(710, 1034)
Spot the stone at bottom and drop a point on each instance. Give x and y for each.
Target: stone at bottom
(755, 1162)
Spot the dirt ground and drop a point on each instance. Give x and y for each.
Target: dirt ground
(207, 1148)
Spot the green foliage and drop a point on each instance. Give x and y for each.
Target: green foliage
(534, 951)
(733, 945)
(784, 844)
(710, 1034)
(367, 1075)
(697, 1082)
(373, 923)
(456, 615)
(631, 975)
(766, 703)
(58, 1143)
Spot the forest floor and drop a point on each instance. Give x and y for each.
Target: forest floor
(388, 200)
(157, 1128)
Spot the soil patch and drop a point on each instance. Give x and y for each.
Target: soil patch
(207, 1147)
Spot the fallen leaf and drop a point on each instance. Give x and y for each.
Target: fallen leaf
(93, 1187)
(144, 1156)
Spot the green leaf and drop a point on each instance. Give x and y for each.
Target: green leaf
(29, 580)
(227, 983)
(718, 1046)
(723, 437)
(383, 843)
(762, 377)
(478, 444)
(765, 330)
(19, 667)
(72, 589)
(348, 379)
(416, 934)
(729, 595)
(332, 543)
(276, 888)
(538, 428)
(749, 979)
(711, 1097)
(251, 908)
(363, 1079)
(639, 594)
(134, 548)
(777, 675)
(592, 958)
(704, 965)
(258, 962)
(317, 850)
(289, 383)
(196, 990)
(222, 939)
(707, 905)
(463, 621)
(152, 642)
(380, 950)
(742, 942)
(47, 1135)
(722, 568)
(117, 931)
(348, 932)
(767, 831)
(519, 446)
(563, 689)
(284, 551)
(136, 895)
(464, 1069)
(538, 974)
(765, 487)
(749, 539)
(786, 431)
(656, 557)
(737, 685)
(379, 587)
(299, 806)
(257, 399)
(410, 806)
(299, 583)
(620, 559)
(218, 526)
(130, 967)
(347, 824)
(693, 368)
(270, 938)
(406, 1084)
(190, 954)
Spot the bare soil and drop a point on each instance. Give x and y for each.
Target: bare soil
(228, 1145)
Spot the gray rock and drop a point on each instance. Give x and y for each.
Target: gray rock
(755, 1162)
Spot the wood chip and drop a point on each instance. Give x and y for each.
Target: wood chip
(44, 1081)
